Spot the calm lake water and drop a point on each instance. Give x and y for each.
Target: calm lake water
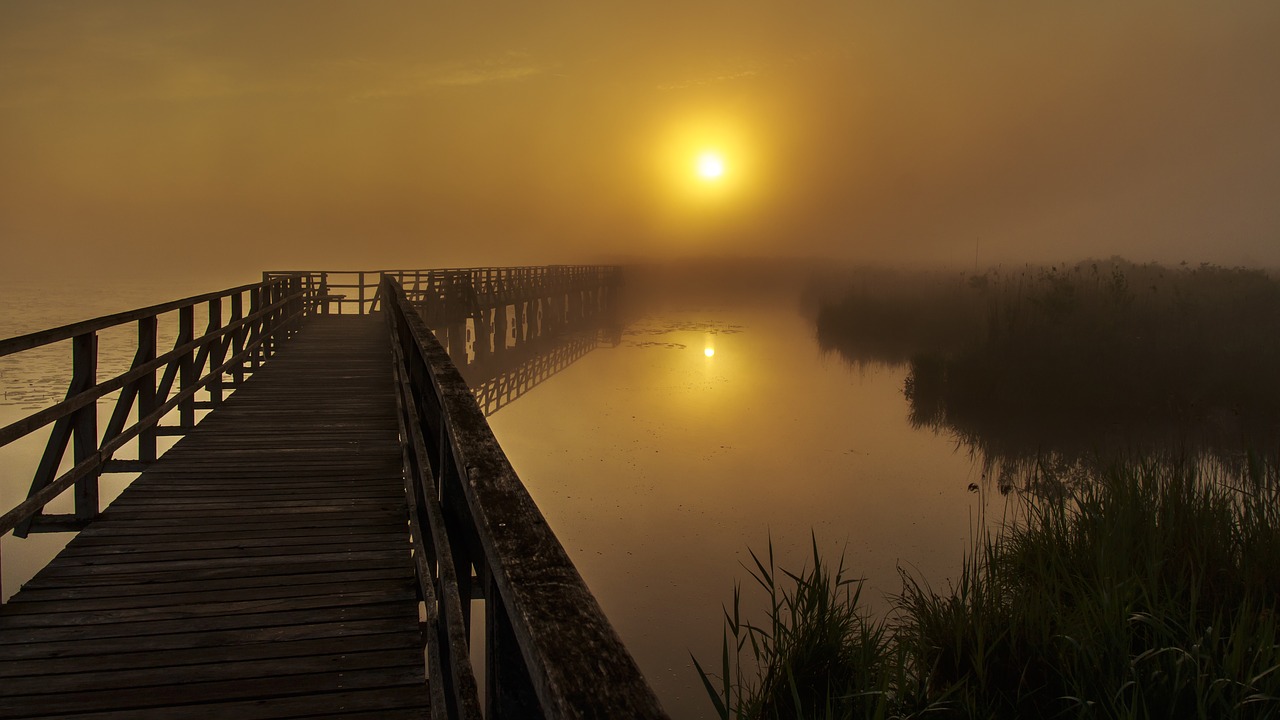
(659, 464)
(658, 461)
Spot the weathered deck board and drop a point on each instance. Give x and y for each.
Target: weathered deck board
(260, 569)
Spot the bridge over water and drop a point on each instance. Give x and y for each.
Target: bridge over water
(313, 544)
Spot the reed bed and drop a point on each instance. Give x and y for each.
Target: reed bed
(1149, 593)
(1046, 370)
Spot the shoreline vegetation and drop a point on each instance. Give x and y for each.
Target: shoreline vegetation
(1049, 373)
(1149, 593)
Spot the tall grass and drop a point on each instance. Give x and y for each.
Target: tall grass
(814, 655)
(1149, 594)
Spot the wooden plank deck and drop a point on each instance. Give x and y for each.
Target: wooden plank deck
(260, 569)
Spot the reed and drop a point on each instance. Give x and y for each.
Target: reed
(815, 654)
(1071, 367)
(1149, 593)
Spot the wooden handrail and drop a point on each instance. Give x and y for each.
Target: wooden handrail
(548, 643)
(44, 337)
(35, 502)
(275, 307)
(480, 280)
(40, 418)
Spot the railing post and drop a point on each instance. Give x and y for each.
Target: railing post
(279, 316)
(237, 337)
(217, 351)
(186, 365)
(297, 306)
(360, 307)
(509, 692)
(454, 507)
(84, 423)
(255, 326)
(268, 322)
(147, 332)
(262, 326)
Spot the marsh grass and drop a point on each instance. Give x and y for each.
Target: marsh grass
(1149, 594)
(890, 317)
(814, 655)
(1114, 342)
(1043, 372)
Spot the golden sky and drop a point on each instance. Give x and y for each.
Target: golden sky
(273, 133)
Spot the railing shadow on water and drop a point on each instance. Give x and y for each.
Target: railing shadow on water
(500, 383)
(194, 375)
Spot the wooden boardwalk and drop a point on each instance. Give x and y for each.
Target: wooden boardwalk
(259, 569)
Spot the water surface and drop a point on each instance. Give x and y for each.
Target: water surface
(658, 464)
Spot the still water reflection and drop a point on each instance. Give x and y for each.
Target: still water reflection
(658, 462)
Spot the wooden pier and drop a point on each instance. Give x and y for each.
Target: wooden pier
(314, 546)
(259, 569)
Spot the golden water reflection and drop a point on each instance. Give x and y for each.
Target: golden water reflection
(658, 466)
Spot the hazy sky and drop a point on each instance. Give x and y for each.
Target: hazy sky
(418, 133)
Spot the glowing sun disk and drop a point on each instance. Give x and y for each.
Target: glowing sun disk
(710, 166)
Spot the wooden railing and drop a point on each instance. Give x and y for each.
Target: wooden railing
(356, 291)
(341, 292)
(549, 650)
(258, 317)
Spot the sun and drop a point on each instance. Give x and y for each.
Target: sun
(710, 166)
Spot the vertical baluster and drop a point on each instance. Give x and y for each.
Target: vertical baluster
(453, 506)
(84, 423)
(294, 306)
(280, 315)
(237, 337)
(147, 332)
(186, 366)
(217, 350)
(255, 326)
(509, 691)
(269, 294)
